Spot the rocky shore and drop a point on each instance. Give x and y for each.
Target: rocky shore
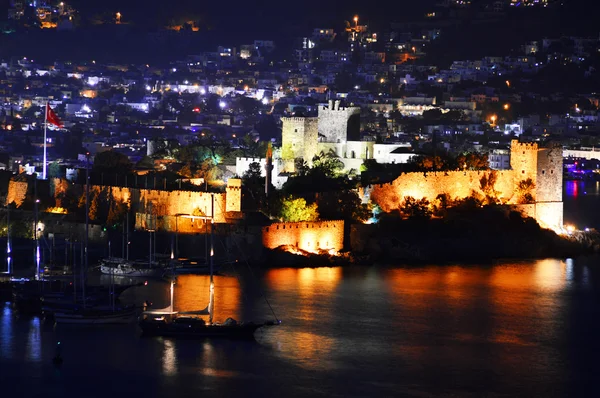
(480, 236)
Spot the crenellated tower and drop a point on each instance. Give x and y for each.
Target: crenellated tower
(299, 140)
(338, 124)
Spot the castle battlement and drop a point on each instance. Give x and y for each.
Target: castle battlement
(305, 225)
(296, 119)
(542, 166)
(310, 236)
(251, 160)
(525, 146)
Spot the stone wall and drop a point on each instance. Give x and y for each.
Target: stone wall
(456, 184)
(299, 138)
(523, 160)
(308, 236)
(542, 165)
(338, 124)
(17, 191)
(233, 195)
(549, 174)
(549, 215)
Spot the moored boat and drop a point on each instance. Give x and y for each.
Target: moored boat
(121, 267)
(94, 316)
(169, 323)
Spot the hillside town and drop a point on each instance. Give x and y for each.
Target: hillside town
(293, 135)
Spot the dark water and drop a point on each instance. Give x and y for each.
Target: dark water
(509, 329)
(582, 204)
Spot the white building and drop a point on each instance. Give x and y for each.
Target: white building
(243, 164)
(499, 159)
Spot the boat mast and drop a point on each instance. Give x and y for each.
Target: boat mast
(111, 285)
(8, 248)
(87, 223)
(211, 302)
(172, 287)
(127, 222)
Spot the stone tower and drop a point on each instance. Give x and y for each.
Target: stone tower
(338, 124)
(523, 160)
(233, 195)
(299, 140)
(543, 165)
(549, 186)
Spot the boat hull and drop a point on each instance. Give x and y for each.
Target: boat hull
(237, 332)
(130, 271)
(95, 319)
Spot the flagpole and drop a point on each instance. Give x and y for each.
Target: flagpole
(45, 133)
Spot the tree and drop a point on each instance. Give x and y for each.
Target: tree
(524, 191)
(116, 212)
(146, 162)
(488, 187)
(296, 209)
(343, 204)
(415, 208)
(327, 164)
(112, 162)
(473, 161)
(54, 170)
(432, 115)
(253, 172)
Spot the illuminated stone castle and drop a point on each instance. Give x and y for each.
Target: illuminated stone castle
(336, 128)
(159, 209)
(310, 236)
(543, 166)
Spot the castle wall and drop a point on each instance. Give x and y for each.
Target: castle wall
(242, 165)
(17, 191)
(299, 138)
(233, 197)
(339, 124)
(307, 236)
(542, 165)
(523, 160)
(549, 215)
(456, 184)
(549, 174)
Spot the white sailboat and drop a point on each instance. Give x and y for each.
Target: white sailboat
(110, 314)
(169, 323)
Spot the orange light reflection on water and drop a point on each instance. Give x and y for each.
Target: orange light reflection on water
(192, 294)
(310, 349)
(513, 303)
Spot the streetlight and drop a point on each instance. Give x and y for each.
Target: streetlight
(506, 107)
(493, 119)
(356, 20)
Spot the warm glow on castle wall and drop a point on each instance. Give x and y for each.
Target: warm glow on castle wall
(306, 236)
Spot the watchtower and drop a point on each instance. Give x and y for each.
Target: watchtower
(338, 124)
(299, 139)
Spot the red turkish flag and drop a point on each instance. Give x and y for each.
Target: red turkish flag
(52, 118)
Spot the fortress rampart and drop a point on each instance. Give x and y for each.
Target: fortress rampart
(543, 166)
(310, 236)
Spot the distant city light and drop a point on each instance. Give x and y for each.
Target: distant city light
(222, 104)
(265, 101)
(148, 88)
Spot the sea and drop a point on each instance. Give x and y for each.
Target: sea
(503, 329)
